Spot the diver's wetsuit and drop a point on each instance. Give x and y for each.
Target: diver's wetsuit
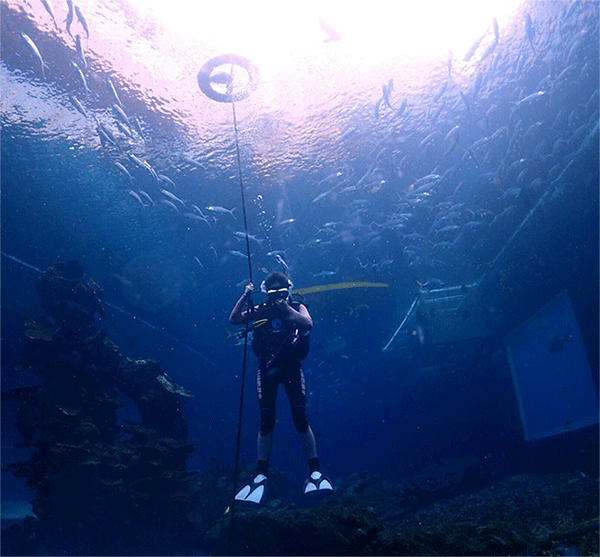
(280, 341)
(280, 350)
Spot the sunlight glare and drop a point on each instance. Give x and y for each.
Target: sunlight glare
(370, 32)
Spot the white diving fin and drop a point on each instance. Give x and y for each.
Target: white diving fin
(254, 490)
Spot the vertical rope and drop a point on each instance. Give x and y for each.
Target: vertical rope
(245, 358)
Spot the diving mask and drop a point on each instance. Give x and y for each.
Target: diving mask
(278, 293)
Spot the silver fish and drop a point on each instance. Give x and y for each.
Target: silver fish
(163, 178)
(113, 91)
(332, 34)
(242, 236)
(473, 48)
(217, 209)
(80, 75)
(143, 165)
(35, 52)
(83, 22)
(193, 162)
(124, 171)
(169, 204)
(282, 262)
(106, 131)
(146, 196)
(49, 9)
(69, 16)
(172, 196)
(80, 52)
(173, 387)
(75, 101)
(136, 197)
(124, 130)
(120, 114)
(138, 128)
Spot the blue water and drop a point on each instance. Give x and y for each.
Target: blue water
(170, 282)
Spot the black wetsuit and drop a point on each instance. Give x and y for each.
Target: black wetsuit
(280, 350)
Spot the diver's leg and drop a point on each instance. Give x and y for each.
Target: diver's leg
(266, 389)
(254, 490)
(295, 389)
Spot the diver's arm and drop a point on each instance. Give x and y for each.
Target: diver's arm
(238, 316)
(301, 317)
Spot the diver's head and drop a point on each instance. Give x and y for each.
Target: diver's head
(277, 286)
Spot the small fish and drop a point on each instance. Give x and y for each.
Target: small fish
(386, 93)
(75, 102)
(198, 261)
(106, 131)
(124, 130)
(529, 30)
(473, 48)
(491, 47)
(282, 262)
(321, 196)
(287, 221)
(146, 196)
(172, 387)
(237, 253)
(80, 52)
(466, 100)
(197, 209)
(144, 165)
(120, 114)
(172, 196)
(136, 197)
(193, 162)
(193, 216)
(138, 128)
(530, 99)
(83, 22)
(242, 236)
(125, 172)
(276, 252)
(113, 91)
(80, 75)
(70, 14)
(35, 52)
(49, 9)
(402, 108)
(167, 180)
(217, 209)
(324, 274)
(68, 411)
(169, 204)
(106, 136)
(332, 34)
(558, 344)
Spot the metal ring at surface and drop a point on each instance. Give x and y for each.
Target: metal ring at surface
(206, 78)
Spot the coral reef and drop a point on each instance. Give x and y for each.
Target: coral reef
(92, 477)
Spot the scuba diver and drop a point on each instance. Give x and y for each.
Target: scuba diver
(280, 339)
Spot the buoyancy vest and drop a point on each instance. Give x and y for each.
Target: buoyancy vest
(276, 341)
